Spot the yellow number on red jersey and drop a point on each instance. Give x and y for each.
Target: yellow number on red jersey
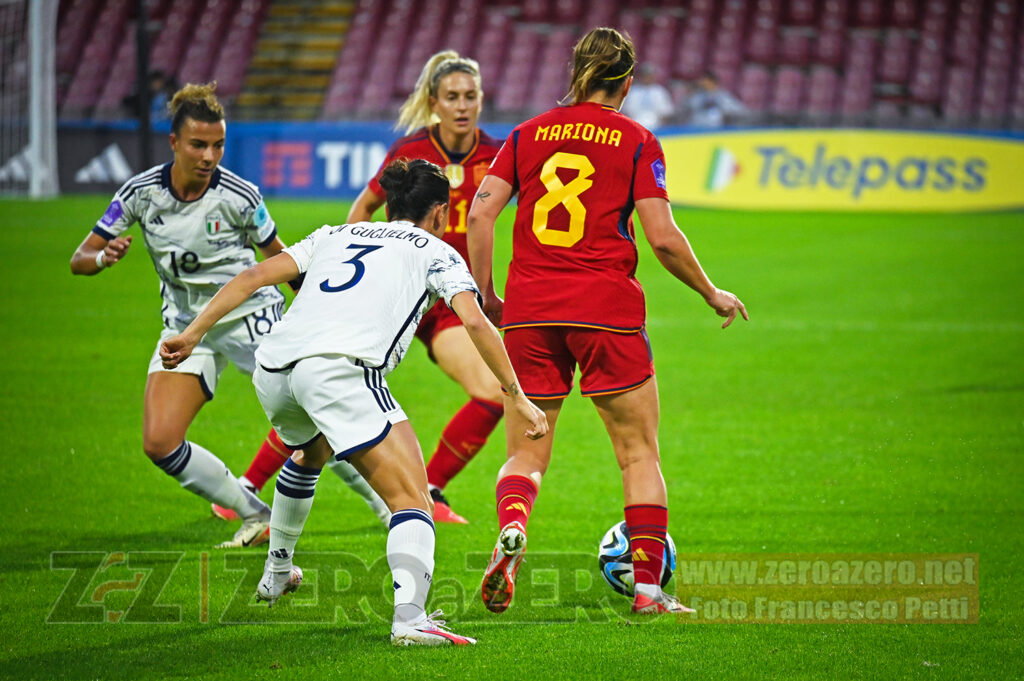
(567, 195)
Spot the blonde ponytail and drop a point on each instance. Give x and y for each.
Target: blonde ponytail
(415, 112)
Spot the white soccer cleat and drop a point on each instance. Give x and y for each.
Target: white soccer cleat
(642, 605)
(253, 532)
(429, 630)
(273, 585)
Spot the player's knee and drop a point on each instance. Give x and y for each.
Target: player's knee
(158, 446)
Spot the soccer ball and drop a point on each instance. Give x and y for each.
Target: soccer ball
(615, 558)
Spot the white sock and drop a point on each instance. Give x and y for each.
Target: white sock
(293, 497)
(201, 472)
(410, 552)
(351, 477)
(652, 591)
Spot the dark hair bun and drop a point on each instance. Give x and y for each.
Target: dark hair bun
(395, 175)
(412, 187)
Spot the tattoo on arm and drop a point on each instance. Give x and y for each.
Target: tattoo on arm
(483, 196)
(513, 389)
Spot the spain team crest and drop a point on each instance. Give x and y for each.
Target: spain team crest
(456, 174)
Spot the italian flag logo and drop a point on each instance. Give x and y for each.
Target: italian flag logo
(723, 170)
(213, 226)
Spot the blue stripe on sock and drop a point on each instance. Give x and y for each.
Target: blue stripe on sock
(406, 514)
(299, 468)
(174, 463)
(297, 481)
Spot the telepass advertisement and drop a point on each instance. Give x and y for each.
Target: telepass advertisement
(845, 170)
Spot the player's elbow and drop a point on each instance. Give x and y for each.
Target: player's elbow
(665, 243)
(76, 264)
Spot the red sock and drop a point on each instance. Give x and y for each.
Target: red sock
(516, 495)
(268, 460)
(462, 438)
(648, 526)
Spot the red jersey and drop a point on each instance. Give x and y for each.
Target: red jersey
(464, 172)
(578, 170)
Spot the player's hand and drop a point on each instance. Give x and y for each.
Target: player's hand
(537, 419)
(493, 307)
(176, 350)
(727, 305)
(116, 249)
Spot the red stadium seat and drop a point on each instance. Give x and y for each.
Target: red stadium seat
(822, 89)
(788, 92)
(753, 87)
(895, 60)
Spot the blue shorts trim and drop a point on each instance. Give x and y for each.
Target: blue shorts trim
(341, 456)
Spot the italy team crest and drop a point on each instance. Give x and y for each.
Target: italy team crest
(456, 174)
(214, 225)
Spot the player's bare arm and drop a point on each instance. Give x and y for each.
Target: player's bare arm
(95, 253)
(490, 199)
(276, 270)
(488, 343)
(365, 205)
(675, 254)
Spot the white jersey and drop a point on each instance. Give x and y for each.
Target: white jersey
(367, 286)
(196, 246)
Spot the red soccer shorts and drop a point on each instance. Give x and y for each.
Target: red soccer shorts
(436, 320)
(545, 358)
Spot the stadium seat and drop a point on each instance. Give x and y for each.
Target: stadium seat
(829, 47)
(822, 89)
(894, 66)
(239, 45)
(958, 95)
(94, 66)
(794, 46)
(73, 33)
(868, 13)
(787, 93)
(753, 87)
(205, 42)
(761, 45)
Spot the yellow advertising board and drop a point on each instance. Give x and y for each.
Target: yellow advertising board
(845, 170)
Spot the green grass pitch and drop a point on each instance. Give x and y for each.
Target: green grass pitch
(872, 405)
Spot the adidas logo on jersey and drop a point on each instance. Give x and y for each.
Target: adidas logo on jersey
(109, 166)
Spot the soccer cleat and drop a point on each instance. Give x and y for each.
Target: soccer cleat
(427, 631)
(273, 585)
(500, 577)
(642, 605)
(443, 512)
(223, 513)
(253, 532)
(226, 513)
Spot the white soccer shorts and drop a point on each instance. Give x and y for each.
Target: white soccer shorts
(234, 342)
(348, 403)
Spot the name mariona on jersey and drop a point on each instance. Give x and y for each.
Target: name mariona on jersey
(417, 237)
(588, 132)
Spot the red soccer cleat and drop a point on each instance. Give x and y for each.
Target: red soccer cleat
(443, 512)
(223, 513)
(500, 577)
(642, 605)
